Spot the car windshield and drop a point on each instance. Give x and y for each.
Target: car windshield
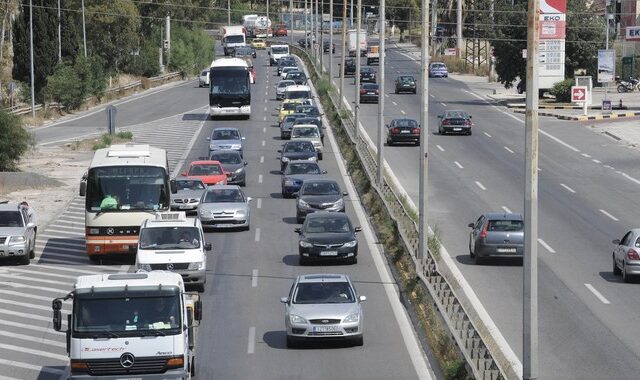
(406, 79)
(505, 225)
(243, 51)
(289, 106)
(405, 123)
(323, 292)
(286, 62)
(190, 184)
(303, 94)
(327, 224)
(320, 188)
(231, 158)
(303, 168)
(438, 66)
(11, 219)
(223, 195)
(299, 148)
(309, 110)
(205, 169)
(225, 134)
(279, 50)
(456, 115)
(307, 120)
(204, 73)
(234, 39)
(163, 238)
(366, 70)
(305, 132)
(257, 41)
(370, 86)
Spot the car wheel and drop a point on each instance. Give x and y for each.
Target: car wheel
(389, 142)
(616, 270)
(192, 367)
(414, 92)
(320, 155)
(291, 342)
(32, 251)
(625, 276)
(24, 260)
(95, 259)
(359, 341)
(478, 260)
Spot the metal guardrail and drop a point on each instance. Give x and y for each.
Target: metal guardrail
(22, 110)
(444, 288)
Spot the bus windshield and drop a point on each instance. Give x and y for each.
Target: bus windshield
(229, 81)
(127, 188)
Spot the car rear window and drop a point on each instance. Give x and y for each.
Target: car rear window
(505, 225)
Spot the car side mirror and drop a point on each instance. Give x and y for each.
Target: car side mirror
(243, 138)
(208, 247)
(208, 138)
(295, 194)
(279, 150)
(174, 186)
(83, 188)
(616, 241)
(268, 53)
(324, 172)
(249, 199)
(31, 225)
(297, 230)
(362, 298)
(344, 193)
(246, 163)
(470, 225)
(284, 300)
(357, 229)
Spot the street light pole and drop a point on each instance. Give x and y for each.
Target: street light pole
(459, 27)
(606, 16)
(423, 227)
(33, 83)
(434, 23)
(381, 125)
(342, 58)
(322, 38)
(530, 293)
(229, 12)
(351, 14)
(84, 31)
(291, 18)
(357, 87)
(59, 34)
(331, 42)
(306, 26)
(316, 39)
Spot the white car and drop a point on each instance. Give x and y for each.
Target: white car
(203, 79)
(286, 70)
(282, 86)
(308, 132)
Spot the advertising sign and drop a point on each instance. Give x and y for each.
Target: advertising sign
(632, 33)
(606, 66)
(552, 37)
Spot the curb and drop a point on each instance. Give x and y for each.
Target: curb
(620, 115)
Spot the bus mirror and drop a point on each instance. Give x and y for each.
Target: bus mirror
(197, 310)
(174, 186)
(83, 188)
(57, 314)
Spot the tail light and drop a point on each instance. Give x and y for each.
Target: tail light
(363, 91)
(377, 93)
(395, 130)
(483, 234)
(445, 122)
(467, 122)
(415, 131)
(632, 254)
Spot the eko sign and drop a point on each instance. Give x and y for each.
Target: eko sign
(553, 23)
(633, 33)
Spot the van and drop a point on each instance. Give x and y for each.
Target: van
(175, 243)
(297, 92)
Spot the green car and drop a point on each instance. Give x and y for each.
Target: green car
(405, 83)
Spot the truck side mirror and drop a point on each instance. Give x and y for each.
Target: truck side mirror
(208, 247)
(56, 305)
(197, 310)
(83, 188)
(174, 186)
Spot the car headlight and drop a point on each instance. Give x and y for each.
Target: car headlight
(317, 143)
(199, 265)
(302, 203)
(241, 212)
(213, 147)
(144, 267)
(288, 182)
(285, 159)
(352, 318)
(239, 171)
(296, 319)
(312, 158)
(16, 239)
(339, 203)
(350, 244)
(305, 244)
(236, 146)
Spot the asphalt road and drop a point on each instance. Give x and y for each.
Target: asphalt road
(588, 186)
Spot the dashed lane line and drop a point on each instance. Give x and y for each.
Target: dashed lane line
(508, 150)
(506, 209)
(480, 185)
(458, 164)
(259, 203)
(251, 346)
(568, 188)
(486, 134)
(597, 294)
(257, 236)
(440, 148)
(609, 215)
(254, 278)
(546, 246)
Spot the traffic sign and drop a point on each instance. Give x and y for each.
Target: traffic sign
(578, 94)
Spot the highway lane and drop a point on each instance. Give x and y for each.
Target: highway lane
(575, 323)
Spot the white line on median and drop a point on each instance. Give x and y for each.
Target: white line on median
(264, 118)
(443, 104)
(439, 147)
(596, 161)
(506, 209)
(257, 238)
(264, 143)
(260, 178)
(597, 294)
(32, 367)
(480, 185)
(402, 112)
(609, 215)
(394, 103)
(259, 203)
(508, 150)
(568, 188)
(458, 164)
(251, 347)
(486, 134)
(264, 130)
(261, 159)
(254, 278)
(546, 246)
(265, 108)
(585, 155)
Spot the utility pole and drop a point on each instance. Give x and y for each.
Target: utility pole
(306, 33)
(606, 16)
(311, 30)
(267, 18)
(434, 23)
(318, 49)
(459, 27)
(228, 12)
(351, 14)
(357, 87)
(530, 294)
(168, 38)
(33, 83)
(381, 125)
(161, 53)
(423, 227)
(291, 18)
(322, 38)
(59, 34)
(84, 31)
(331, 42)
(342, 58)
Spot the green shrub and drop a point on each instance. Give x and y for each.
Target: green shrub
(93, 80)
(562, 90)
(64, 86)
(125, 135)
(191, 50)
(14, 140)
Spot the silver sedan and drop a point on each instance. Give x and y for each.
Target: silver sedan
(626, 255)
(224, 206)
(323, 306)
(189, 193)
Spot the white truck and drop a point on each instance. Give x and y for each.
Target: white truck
(276, 52)
(262, 27)
(249, 22)
(233, 36)
(130, 325)
(352, 45)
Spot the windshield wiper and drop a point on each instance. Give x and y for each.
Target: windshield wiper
(109, 333)
(153, 333)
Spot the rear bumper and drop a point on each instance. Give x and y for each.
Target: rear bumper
(499, 251)
(404, 138)
(96, 245)
(369, 98)
(456, 129)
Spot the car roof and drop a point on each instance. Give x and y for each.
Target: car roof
(9, 206)
(503, 216)
(323, 277)
(205, 162)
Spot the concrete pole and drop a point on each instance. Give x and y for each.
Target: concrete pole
(459, 27)
(423, 226)
(228, 12)
(161, 48)
(168, 37)
(530, 306)
(291, 18)
(331, 42)
(84, 31)
(306, 27)
(33, 83)
(344, 53)
(322, 39)
(357, 87)
(606, 16)
(59, 34)
(351, 14)
(311, 30)
(381, 125)
(434, 23)
(267, 18)
(318, 39)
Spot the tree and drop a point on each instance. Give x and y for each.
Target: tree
(65, 87)
(14, 140)
(401, 12)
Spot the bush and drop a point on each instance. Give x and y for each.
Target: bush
(147, 62)
(562, 90)
(191, 50)
(65, 87)
(93, 80)
(125, 135)
(14, 140)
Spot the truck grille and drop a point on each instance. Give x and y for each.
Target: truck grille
(174, 266)
(101, 367)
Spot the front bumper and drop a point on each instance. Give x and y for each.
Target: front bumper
(340, 330)
(172, 374)
(290, 189)
(327, 253)
(188, 207)
(502, 250)
(405, 89)
(14, 250)
(226, 222)
(438, 74)
(220, 111)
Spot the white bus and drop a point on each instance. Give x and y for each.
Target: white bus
(229, 91)
(125, 185)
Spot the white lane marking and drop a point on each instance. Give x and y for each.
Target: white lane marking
(260, 178)
(559, 141)
(265, 108)
(596, 161)
(508, 150)
(25, 350)
(33, 339)
(402, 112)
(257, 238)
(597, 294)
(264, 143)
(480, 185)
(386, 95)
(585, 155)
(609, 215)
(443, 104)
(264, 118)
(486, 134)
(254, 278)
(264, 130)
(546, 246)
(608, 166)
(458, 164)
(394, 103)
(568, 188)
(259, 203)
(266, 93)
(439, 147)
(506, 209)
(265, 100)
(251, 347)
(261, 159)
(433, 96)
(630, 178)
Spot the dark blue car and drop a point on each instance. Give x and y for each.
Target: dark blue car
(296, 172)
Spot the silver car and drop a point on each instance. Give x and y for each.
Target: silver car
(281, 86)
(496, 234)
(224, 206)
(226, 138)
(189, 193)
(203, 79)
(626, 255)
(323, 306)
(309, 132)
(17, 232)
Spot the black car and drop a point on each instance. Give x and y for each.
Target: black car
(369, 93)
(295, 151)
(367, 74)
(319, 195)
(325, 46)
(311, 111)
(405, 83)
(329, 236)
(286, 62)
(287, 124)
(233, 164)
(455, 121)
(296, 172)
(297, 76)
(304, 41)
(349, 66)
(311, 120)
(244, 51)
(403, 131)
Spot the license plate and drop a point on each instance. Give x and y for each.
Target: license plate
(184, 207)
(325, 328)
(506, 250)
(329, 253)
(371, 93)
(457, 129)
(405, 131)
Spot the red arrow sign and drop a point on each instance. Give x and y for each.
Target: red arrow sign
(578, 94)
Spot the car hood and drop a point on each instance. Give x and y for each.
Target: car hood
(150, 256)
(329, 238)
(210, 179)
(319, 199)
(324, 310)
(226, 142)
(299, 155)
(301, 177)
(12, 231)
(223, 206)
(232, 167)
(187, 194)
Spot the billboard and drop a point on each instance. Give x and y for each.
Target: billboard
(606, 66)
(632, 33)
(551, 56)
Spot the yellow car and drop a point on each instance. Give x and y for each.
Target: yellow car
(258, 43)
(288, 107)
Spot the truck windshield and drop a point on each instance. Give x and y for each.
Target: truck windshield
(118, 314)
(164, 238)
(234, 39)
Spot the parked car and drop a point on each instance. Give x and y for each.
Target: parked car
(327, 236)
(281, 86)
(18, 230)
(280, 30)
(403, 131)
(287, 125)
(405, 83)
(369, 93)
(308, 132)
(297, 150)
(496, 234)
(259, 43)
(367, 74)
(203, 79)
(349, 66)
(325, 46)
(209, 172)
(295, 173)
(297, 76)
(319, 195)
(455, 121)
(226, 138)
(626, 257)
(438, 69)
(323, 306)
(233, 164)
(188, 196)
(224, 207)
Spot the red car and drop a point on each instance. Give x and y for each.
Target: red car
(209, 172)
(281, 30)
